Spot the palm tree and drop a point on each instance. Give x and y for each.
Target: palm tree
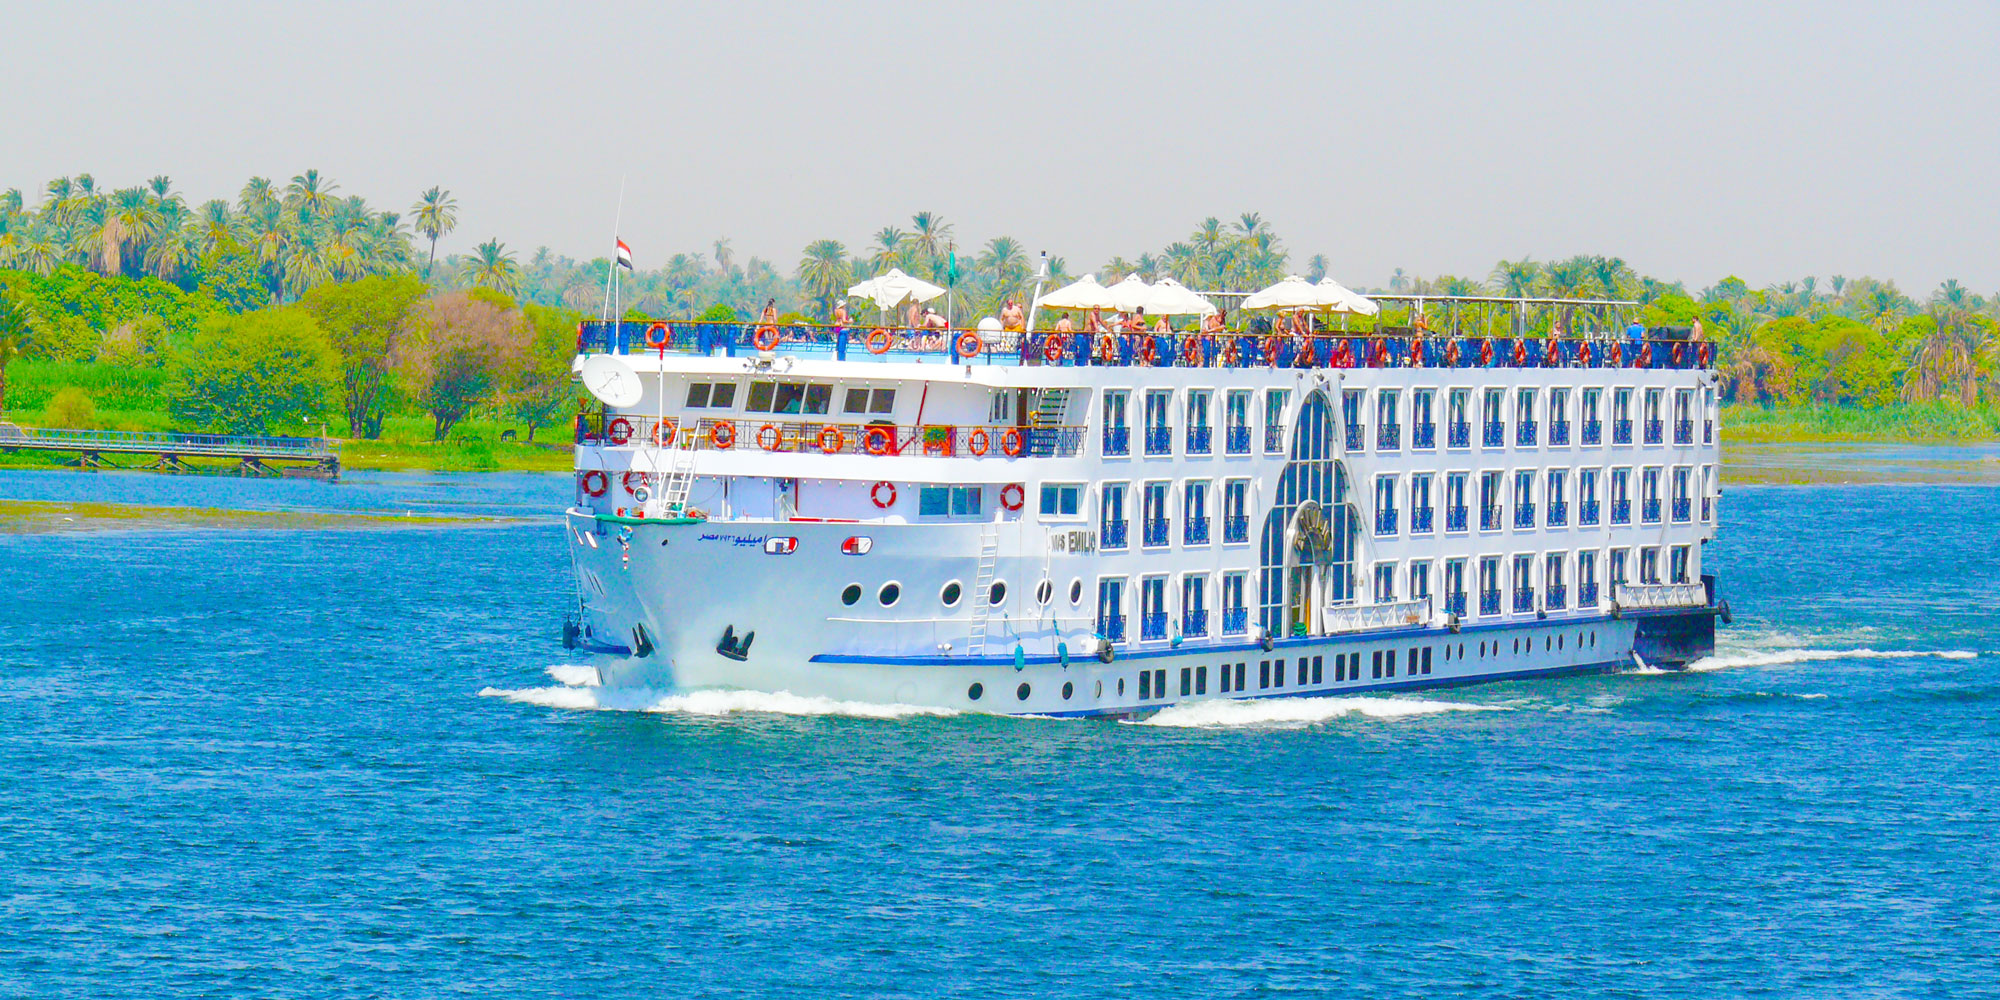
(1399, 282)
(929, 239)
(1316, 267)
(131, 222)
(823, 273)
(492, 266)
(1250, 224)
(1516, 278)
(257, 195)
(725, 257)
(1115, 270)
(1611, 274)
(1007, 264)
(436, 214)
(891, 247)
(309, 193)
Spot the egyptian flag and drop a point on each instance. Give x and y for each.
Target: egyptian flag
(624, 256)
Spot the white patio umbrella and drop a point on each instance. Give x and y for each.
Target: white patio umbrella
(1292, 293)
(1168, 297)
(888, 290)
(1084, 293)
(1341, 298)
(1130, 294)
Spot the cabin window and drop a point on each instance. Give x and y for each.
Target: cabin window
(1062, 499)
(952, 501)
(789, 397)
(711, 395)
(697, 395)
(869, 401)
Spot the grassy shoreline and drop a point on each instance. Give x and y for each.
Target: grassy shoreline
(44, 517)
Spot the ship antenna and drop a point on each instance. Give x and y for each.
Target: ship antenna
(1035, 304)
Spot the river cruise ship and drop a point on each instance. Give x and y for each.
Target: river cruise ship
(1108, 524)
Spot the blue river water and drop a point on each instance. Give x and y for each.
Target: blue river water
(355, 763)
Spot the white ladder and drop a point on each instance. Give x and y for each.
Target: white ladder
(982, 587)
(678, 479)
(1049, 411)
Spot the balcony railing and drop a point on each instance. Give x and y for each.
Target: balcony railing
(1159, 440)
(1489, 517)
(1238, 440)
(1118, 440)
(1454, 604)
(1660, 595)
(1194, 623)
(1366, 617)
(1586, 595)
(1197, 441)
(1420, 520)
(1524, 433)
(1112, 627)
(1586, 513)
(1195, 532)
(1682, 507)
(1524, 514)
(1353, 437)
(1489, 602)
(1524, 599)
(1555, 597)
(1621, 512)
(1389, 437)
(1683, 432)
(1655, 431)
(1385, 521)
(815, 435)
(1274, 440)
(1459, 435)
(1649, 511)
(1423, 435)
(1155, 529)
(1593, 432)
(1621, 431)
(1454, 518)
(1112, 534)
(1236, 528)
(1153, 625)
(1235, 620)
(1558, 513)
(1495, 434)
(1559, 432)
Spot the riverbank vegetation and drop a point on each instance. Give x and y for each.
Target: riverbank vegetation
(295, 308)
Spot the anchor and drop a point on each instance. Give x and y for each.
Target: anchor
(732, 647)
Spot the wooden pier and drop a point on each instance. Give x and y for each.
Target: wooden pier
(254, 456)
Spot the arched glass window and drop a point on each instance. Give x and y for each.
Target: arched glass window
(1312, 475)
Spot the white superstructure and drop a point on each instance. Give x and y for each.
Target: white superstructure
(1074, 537)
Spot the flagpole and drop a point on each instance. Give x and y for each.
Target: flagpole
(611, 273)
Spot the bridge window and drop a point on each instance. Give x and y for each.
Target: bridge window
(869, 401)
(711, 395)
(789, 397)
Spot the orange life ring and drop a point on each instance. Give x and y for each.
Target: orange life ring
(837, 443)
(619, 430)
(767, 338)
(596, 482)
(1378, 352)
(1417, 351)
(722, 436)
(875, 494)
(878, 440)
(1106, 350)
(1010, 442)
(1232, 354)
(1677, 353)
(631, 479)
(661, 437)
(1520, 351)
(1052, 348)
(1645, 358)
(1583, 354)
(1149, 352)
(1271, 345)
(777, 437)
(1617, 355)
(1191, 350)
(664, 334)
(1486, 352)
(1702, 355)
(879, 341)
(1552, 356)
(1451, 353)
(969, 344)
(977, 441)
(1012, 496)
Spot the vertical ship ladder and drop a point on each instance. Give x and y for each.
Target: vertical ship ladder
(982, 588)
(678, 478)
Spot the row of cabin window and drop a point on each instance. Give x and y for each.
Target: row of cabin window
(1556, 488)
(1159, 407)
(1527, 405)
(1155, 497)
(1556, 569)
(1152, 589)
(1272, 674)
(789, 398)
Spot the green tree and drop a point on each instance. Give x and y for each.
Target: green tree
(436, 214)
(456, 352)
(542, 389)
(492, 265)
(14, 334)
(363, 321)
(253, 373)
(823, 273)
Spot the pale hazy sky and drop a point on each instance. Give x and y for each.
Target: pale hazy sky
(1695, 139)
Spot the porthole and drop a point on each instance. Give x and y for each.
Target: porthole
(1045, 592)
(950, 594)
(891, 593)
(851, 595)
(1545, 644)
(1559, 641)
(1098, 691)
(997, 594)
(1021, 693)
(1068, 689)
(972, 693)
(1076, 591)
(1121, 687)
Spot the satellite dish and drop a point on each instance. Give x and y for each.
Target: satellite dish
(611, 380)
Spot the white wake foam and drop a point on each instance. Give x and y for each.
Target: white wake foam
(703, 703)
(1300, 711)
(1733, 659)
(575, 675)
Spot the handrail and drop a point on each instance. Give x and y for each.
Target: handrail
(51, 438)
(826, 434)
(1224, 349)
(1365, 617)
(1660, 595)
